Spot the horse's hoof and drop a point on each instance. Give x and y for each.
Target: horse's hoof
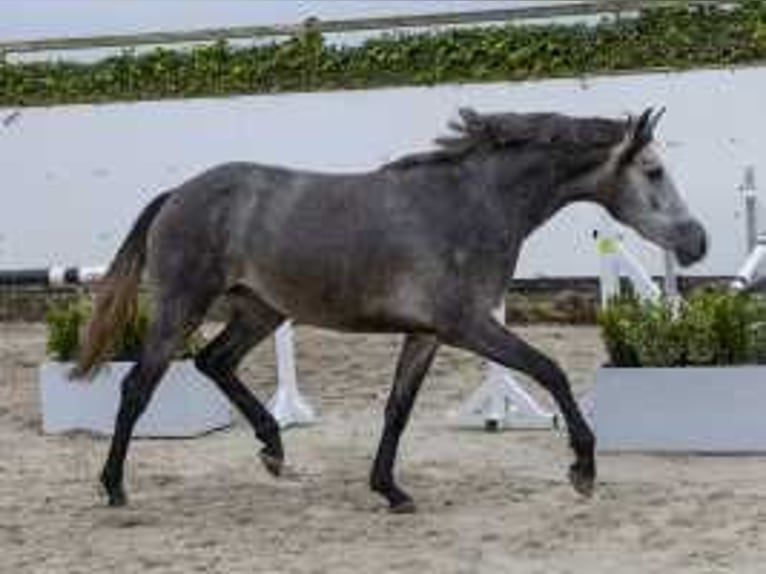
(117, 501)
(582, 479)
(404, 507)
(115, 494)
(272, 463)
(116, 498)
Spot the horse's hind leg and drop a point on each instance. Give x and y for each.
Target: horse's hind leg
(251, 322)
(171, 321)
(414, 360)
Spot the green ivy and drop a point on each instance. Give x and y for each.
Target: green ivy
(672, 37)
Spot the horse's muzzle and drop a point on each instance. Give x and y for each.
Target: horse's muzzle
(691, 242)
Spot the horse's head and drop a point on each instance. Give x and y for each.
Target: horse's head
(640, 193)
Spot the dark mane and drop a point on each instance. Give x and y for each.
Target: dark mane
(475, 132)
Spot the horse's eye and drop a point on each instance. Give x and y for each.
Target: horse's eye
(655, 173)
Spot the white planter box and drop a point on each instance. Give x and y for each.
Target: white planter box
(695, 409)
(185, 404)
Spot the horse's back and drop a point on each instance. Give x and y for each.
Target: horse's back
(351, 251)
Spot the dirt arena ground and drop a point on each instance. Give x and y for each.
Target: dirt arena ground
(488, 503)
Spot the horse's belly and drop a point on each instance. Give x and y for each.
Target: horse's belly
(346, 305)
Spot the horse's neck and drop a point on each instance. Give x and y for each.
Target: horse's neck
(534, 189)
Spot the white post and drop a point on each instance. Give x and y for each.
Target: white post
(607, 246)
(671, 277)
(287, 405)
(751, 203)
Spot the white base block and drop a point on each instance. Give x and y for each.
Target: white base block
(185, 404)
(695, 409)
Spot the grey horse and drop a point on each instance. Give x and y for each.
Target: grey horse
(425, 246)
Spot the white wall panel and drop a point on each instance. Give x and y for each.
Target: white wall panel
(72, 178)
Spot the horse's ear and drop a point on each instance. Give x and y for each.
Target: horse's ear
(469, 123)
(644, 130)
(638, 134)
(473, 122)
(470, 116)
(655, 119)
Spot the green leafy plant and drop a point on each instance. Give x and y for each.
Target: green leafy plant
(64, 320)
(677, 37)
(67, 319)
(711, 327)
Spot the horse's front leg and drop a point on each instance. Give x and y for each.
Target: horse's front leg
(416, 356)
(488, 338)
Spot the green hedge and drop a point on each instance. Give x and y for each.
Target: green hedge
(711, 327)
(676, 37)
(66, 320)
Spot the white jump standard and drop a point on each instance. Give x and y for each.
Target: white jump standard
(616, 262)
(747, 276)
(501, 402)
(288, 405)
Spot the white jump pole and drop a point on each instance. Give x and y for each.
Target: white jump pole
(55, 276)
(501, 402)
(747, 274)
(287, 405)
(608, 247)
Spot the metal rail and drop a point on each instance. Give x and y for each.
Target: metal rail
(573, 9)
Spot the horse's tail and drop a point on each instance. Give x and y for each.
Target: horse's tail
(117, 294)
